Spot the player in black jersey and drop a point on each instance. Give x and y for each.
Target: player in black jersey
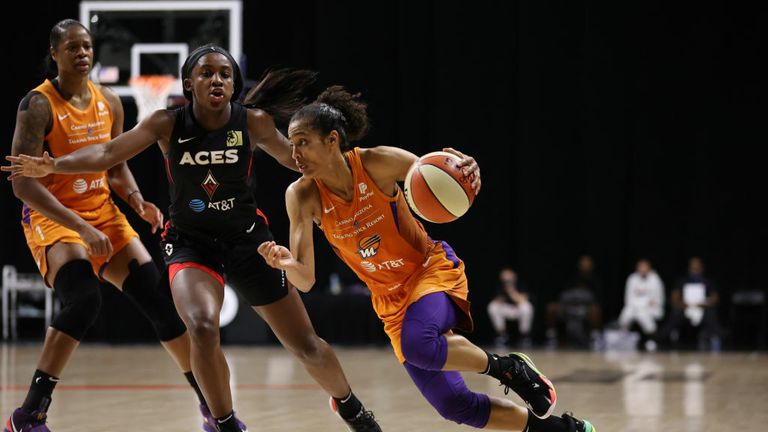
(215, 227)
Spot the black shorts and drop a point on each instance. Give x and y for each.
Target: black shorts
(236, 258)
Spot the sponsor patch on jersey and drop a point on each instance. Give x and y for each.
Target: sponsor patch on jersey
(197, 205)
(223, 205)
(369, 246)
(234, 138)
(80, 186)
(210, 184)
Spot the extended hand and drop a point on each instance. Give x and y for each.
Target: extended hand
(28, 166)
(279, 257)
(469, 167)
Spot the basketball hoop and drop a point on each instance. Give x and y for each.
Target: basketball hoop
(151, 93)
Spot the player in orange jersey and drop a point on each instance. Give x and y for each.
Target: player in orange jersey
(74, 230)
(418, 285)
(215, 227)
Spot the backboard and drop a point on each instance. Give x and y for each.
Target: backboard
(134, 38)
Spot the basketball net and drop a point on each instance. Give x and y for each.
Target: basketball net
(151, 93)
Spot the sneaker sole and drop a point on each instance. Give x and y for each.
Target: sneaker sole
(552, 392)
(331, 404)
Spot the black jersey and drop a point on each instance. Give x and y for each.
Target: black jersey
(209, 175)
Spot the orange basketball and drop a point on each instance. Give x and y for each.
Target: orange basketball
(436, 189)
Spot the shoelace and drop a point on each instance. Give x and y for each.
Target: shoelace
(364, 419)
(573, 423)
(519, 377)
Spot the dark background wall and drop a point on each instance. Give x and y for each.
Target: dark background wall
(621, 130)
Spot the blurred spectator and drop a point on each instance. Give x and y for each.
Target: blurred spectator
(643, 302)
(511, 303)
(578, 302)
(694, 302)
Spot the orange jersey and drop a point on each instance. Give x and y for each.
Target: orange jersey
(87, 195)
(74, 129)
(378, 237)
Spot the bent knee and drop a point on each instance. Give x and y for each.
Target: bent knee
(466, 409)
(202, 328)
(310, 349)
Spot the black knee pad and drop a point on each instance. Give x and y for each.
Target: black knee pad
(80, 295)
(141, 286)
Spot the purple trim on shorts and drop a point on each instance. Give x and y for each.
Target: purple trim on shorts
(102, 269)
(25, 214)
(393, 207)
(450, 254)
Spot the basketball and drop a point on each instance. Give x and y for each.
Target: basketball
(436, 189)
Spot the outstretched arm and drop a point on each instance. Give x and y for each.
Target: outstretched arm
(120, 177)
(299, 261)
(96, 158)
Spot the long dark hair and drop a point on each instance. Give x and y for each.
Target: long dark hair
(280, 92)
(54, 37)
(339, 110)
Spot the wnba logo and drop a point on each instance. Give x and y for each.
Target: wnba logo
(369, 246)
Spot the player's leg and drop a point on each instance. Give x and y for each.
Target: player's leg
(427, 343)
(445, 390)
(288, 319)
(197, 287)
(133, 272)
(198, 296)
(282, 309)
(71, 273)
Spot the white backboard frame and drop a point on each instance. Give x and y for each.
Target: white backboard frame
(233, 7)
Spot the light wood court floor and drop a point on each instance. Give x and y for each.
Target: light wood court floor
(132, 389)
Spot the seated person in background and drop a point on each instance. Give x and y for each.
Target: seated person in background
(643, 302)
(511, 303)
(694, 300)
(580, 298)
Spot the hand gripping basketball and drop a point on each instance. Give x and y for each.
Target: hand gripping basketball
(438, 188)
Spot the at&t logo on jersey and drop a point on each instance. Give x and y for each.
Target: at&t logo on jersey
(81, 186)
(371, 267)
(222, 205)
(197, 205)
(369, 246)
(214, 157)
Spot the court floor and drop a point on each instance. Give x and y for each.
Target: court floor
(130, 388)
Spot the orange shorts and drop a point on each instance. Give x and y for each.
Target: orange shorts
(42, 233)
(441, 275)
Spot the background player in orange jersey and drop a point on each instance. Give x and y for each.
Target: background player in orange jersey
(418, 285)
(73, 228)
(215, 227)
